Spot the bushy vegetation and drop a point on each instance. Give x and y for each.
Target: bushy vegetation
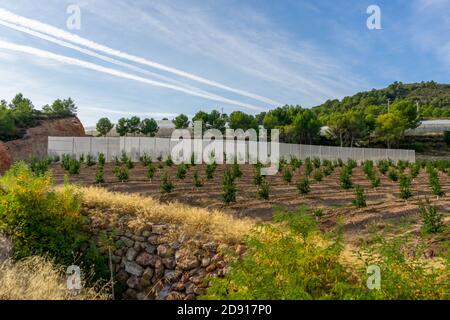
(229, 187)
(434, 181)
(293, 260)
(405, 187)
(198, 183)
(303, 186)
(100, 174)
(345, 178)
(45, 222)
(181, 171)
(264, 190)
(360, 198)
(20, 114)
(431, 218)
(166, 184)
(121, 173)
(210, 170)
(287, 175)
(393, 175)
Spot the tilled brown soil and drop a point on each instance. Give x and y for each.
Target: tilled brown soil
(383, 203)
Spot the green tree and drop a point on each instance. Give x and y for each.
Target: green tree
(389, 128)
(241, 120)
(122, 127)
(149, 127)
(61, 108)
(104, 126)
(134, 125)
(181, 122)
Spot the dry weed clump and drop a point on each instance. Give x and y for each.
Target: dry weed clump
(37, 278)
(190, 221)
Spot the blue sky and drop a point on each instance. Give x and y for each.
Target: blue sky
(251, 55)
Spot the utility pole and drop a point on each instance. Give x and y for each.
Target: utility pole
(389, 105)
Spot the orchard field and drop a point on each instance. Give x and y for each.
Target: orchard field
(389, 197)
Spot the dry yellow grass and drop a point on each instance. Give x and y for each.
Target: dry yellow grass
(37, 278)
(214, 224)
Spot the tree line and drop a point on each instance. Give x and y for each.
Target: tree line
(358, 126)
(20, 114)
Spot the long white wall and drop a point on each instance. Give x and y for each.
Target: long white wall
(137, 146)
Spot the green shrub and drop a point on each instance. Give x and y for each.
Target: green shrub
(209, 170)
(296, 163)
(65, 162)
(303, 186)
(99, 175)
(368, 168)
(257, 178)
(404, 276)
(166, 184)
(383, 166)
(197, 181)
(279, 264)
(318, 213)
(431, 218)
(90, 160)
(229, 187)
(328, 170)
(294, 260)
(81, 159)
(351, 164)
(236, 169)
(101, 159)
(393, 175)
(150, 171)
(405, 187)
(375, 181)
(169, 161)
(146, 160)
(181, 171)
(402, 165)
(340, 163)
(415, 170)
(40, 220)
(434, 182)
(345, 178)
(316, 162)
(287, 175)
(129, 164)
(318, 176)
(360, 198)
(121, 173)
(308, 167)
(264, 190)
(39, 167)
(74, 167)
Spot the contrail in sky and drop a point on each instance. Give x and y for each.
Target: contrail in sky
(100, 56)
(61, 34)
(114, 72)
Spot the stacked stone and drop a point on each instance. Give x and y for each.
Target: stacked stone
(151, 267)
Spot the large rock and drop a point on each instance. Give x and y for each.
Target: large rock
(35, 141)
(134, 269)
(186, 260)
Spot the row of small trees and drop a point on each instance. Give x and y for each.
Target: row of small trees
(133, 126)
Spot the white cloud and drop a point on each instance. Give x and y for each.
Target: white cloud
(61, 34)
(95, 67)
(252, 45)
